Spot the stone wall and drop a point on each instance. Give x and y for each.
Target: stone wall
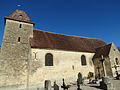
(114, 53)
(63, 63)
(11, 47)
(109, 62)
(15, 53)
(23, 73)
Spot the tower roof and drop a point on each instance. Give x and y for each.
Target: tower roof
(19, 15)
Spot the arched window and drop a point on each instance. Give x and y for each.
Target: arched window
(83, 60)
(48, 59)
(117, 62)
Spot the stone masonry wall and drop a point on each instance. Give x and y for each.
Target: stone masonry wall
(15, 53)
(114, 53)
(109, 62)
(63, 63)
(11, 47)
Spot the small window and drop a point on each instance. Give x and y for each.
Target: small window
(83, 60)
(48, 59)
(73, 67)
(116, 60)
(20, 17)
(20, 26)
(18, 39)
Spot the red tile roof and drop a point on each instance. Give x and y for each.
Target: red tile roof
(19, 15)
(104, 50)
(43, 39)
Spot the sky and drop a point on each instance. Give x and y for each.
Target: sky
(86, 18)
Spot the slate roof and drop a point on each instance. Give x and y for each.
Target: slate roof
(19, 15)
(43, 39)
(104, 50)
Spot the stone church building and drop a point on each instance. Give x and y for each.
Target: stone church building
(28, 56)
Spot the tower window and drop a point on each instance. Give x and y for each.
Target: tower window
(83, 60)
(48, 59)
(18, 39)
(20, 26)
(117, 62)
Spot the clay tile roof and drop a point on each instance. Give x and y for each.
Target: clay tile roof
(43, 39)
(19, 15)
(104, 50)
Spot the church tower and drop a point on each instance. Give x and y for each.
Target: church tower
(18, 30)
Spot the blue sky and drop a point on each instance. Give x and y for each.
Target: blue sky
(87, 18)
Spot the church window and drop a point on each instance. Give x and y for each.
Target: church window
(117, 62)
(20, 26)
(18, 39)
(73, 67)
(83, 60)
(20, 17)
(48, 59)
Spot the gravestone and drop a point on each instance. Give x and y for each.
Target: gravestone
(80, 80)
(106, 84)
(47, 85)
(78, 85)
(56, 87)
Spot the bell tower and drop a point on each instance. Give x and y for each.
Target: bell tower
(18, 30)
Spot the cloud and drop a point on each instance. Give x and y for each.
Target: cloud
(18, 5)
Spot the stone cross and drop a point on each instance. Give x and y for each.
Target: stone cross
(98, 68)
(64, 86)
(103, 65)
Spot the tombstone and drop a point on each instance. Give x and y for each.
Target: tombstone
(106, 84)
(64, 86)
(56, 87)
(80, 80)
(78, 85)
(47, 85)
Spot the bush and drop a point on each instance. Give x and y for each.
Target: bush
(90, 75)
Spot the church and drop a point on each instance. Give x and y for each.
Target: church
(28, 56)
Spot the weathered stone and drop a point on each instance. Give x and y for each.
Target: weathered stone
(109, 62)
(106, 84)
